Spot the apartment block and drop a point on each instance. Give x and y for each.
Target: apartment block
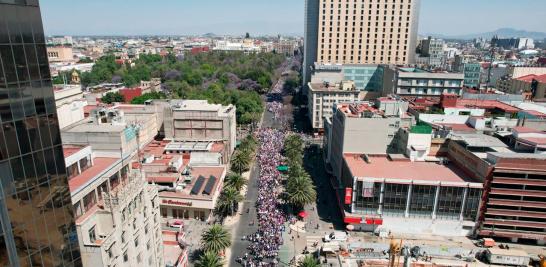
(117, 212)
(360, 32)
(418, 82)
(322, 97)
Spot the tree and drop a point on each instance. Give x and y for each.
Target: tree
(235, 181)
(215, 239)
(110, 98)
(300, 191)
(309, 261)
(148, 96)
(240, 162)
(228, 200)
(209, 259)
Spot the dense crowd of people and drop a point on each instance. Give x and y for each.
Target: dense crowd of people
(265, 243)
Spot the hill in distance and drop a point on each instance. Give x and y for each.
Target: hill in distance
(503, 32)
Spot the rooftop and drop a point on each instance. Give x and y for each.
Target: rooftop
(486, 104)
(198, 105)
(324, 87)
(99, 165)
(479, 140)
(69, 150)
(404, 170)
(357, 109)
(206, 173)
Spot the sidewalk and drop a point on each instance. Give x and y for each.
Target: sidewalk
(229, 222)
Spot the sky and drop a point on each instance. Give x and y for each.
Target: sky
(269, 17)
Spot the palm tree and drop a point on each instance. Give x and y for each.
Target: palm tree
(228, 201)
(309, 261)
(209, 259)
(215, 239)
(236, 181)
(240, 162)
(300, 191)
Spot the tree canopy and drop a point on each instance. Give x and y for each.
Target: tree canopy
(220, 77)
(110, 98)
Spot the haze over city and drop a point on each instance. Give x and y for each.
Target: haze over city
(265, 17)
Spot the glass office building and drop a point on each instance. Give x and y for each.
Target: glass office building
(366, 77)
(37, 226)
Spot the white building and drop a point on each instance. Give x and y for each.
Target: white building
(69, 103)
(323, 96)
(526, 43)
(116, 211)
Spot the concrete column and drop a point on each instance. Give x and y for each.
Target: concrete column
(79, 167)
(408, 201)
(436, 202)
(465, 195)
(380, 210)
(353, 196)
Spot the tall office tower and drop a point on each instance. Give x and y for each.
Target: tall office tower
(37, 225)
(360, 32)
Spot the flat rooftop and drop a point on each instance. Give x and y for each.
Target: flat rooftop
(329, 88)
(69, 150)
(99, 165)
(356, 109)
(486, 104)
(404, 170)
(207, 173)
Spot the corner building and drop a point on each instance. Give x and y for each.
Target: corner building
(37, 225)
(360, 32)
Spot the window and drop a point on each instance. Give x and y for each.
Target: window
(123, 237)
(148, 245)
(125, 256)
(92, 235)
(136, 241)
(110, 251)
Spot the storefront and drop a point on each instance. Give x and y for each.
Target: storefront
(180, 208)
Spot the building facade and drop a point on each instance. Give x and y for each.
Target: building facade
(472, 74)
(363, 128)
(37, 220)
(392, 194)
(322, 97)
(433, 50)
(60, 54)
(417, 82)
(367, 32)
(197, 120)
(117, 212)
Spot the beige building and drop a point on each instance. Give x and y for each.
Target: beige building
(322, 97)
(117, 212)
(197, 120)
(69, 103)
(364, 128)
(60, 54)
(360, 32)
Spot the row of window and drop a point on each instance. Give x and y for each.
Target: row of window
(371, 6)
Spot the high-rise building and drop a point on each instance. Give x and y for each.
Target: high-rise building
(360, 32)
(37, 224)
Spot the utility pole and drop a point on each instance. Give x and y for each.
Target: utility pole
(492, 56)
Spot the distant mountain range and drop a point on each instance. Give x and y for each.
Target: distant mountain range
(503, 32)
